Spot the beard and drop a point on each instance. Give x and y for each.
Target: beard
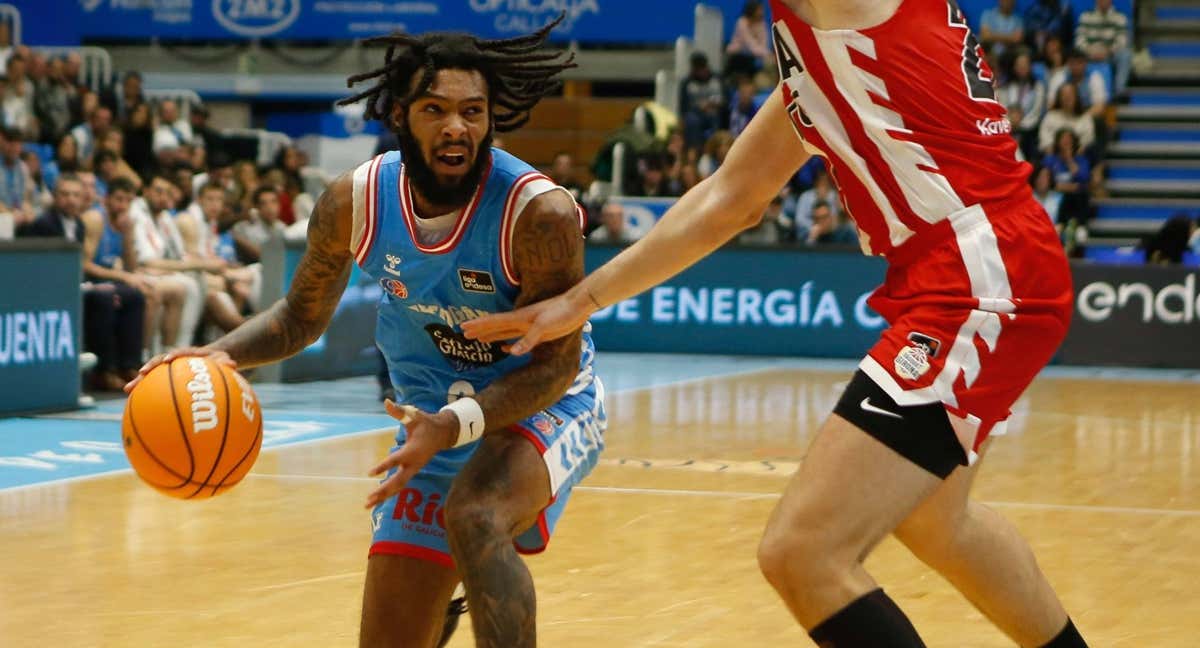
(425, 182)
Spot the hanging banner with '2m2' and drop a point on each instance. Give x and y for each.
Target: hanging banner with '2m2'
(628, 21)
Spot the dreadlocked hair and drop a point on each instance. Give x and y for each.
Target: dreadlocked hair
(517, 74)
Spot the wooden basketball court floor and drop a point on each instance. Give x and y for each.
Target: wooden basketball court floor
(1102, 475)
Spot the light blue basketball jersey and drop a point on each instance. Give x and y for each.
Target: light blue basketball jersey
(430, 290)
(110, 247)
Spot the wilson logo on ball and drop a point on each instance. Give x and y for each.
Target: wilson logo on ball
(204, 408)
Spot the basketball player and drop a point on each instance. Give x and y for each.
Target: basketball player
(896, 98)
(452, 228)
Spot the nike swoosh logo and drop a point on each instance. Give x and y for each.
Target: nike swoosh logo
(868, 407)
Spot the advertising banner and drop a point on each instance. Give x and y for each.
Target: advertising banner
(1138, 316)
(39, 326)
(750, 302)
(627, 21)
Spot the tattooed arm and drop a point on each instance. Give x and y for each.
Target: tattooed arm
(548, 250)
(297, 320)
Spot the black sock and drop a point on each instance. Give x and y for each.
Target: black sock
(871, 621)
(1068, 638)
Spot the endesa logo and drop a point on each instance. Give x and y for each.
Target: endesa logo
(256, 17)
(1176, 303)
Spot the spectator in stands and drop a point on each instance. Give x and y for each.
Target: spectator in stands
(822, 191)
(113, 314)
(42, 195)
(701, 100)
(689, 176)
(1046, 19)
(173, 136)
(612, 228)
(1053, 60)
(1072, 176)
(749, 49)
(290, 162)
(745, 105)
(65, 160)
(715, 150)
(16, 184)
(1001, 28)
(1103, 34)
(1042, 180)
(1029, 94)
(562, 172)
(1168, 245)
(246, 180)
(114, 144)
(110, 255)
(203, 135)
(1093, 93)
(770, 230)
(200, 240)
(122, 99)
(160, 252)
(139, 141)
(91, 197)
(88, 134)
(18, 100)
(828, 228)
(1194, 240)
(653, 172)
(1072, 172)
(1066, 112)
(251, 234)
(52, 103)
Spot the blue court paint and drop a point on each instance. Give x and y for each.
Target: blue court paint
(39, 450)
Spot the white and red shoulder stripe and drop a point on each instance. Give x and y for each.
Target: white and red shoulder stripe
(365, 219)
(525, 189)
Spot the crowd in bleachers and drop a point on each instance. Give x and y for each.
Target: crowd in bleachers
(1058, 80)
(171, 220)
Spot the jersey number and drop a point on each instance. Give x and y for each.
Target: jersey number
(975, 69)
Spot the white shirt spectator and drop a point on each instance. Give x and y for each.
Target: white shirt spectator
(154, 237)
(1083, 125)
(18, 106)
(172, 136)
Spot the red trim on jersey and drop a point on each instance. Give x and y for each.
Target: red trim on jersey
(532, 437)
(369, 218)
(543, 530)
(508, 224)
(393, 548)
(455, 236)
(582, 218)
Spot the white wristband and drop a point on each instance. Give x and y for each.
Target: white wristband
(470, 419)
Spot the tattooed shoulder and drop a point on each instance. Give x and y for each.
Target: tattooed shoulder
(547, 247)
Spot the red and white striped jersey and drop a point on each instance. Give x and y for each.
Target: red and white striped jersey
(906, 116)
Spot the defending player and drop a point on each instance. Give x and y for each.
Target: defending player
(453, 229)
(896, 97)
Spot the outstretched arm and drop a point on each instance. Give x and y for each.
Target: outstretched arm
(762, 159)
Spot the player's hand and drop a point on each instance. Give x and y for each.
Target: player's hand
(425, 436)
(220, 357)
(533, 324)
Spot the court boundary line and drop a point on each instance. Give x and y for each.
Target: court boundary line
(758, 495)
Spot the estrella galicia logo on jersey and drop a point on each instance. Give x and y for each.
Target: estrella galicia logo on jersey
(256, 17)
(476, 281)
(461, 353)
(394, 287)
(931, 344)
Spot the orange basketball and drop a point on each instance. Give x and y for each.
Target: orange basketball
(192, 429)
